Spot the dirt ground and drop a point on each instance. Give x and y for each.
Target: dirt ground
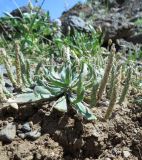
(69, 138)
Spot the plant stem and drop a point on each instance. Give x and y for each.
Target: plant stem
(126, 86)
(106, 74)
(112, 102)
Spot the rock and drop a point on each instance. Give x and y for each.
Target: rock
(38, 156)
(25, 9)
(10, 119)
(82, 8)
(115, 26)
(58, 22)
(26, 127)
(127, 47)
(135, 39)
(26, 132)
(107, 159)
(126, 154)
(8, 133)
(22, 135)
(74, 22)
(33, 135)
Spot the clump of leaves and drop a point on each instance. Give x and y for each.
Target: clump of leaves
(31, 30)
(69, 84)
(85, 44)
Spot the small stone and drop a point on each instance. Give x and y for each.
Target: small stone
(8, 133)
(29, 157)
(38, 156)
(9, 153)
(10, 119)
(26, 127)
(33, 135)
(14, 105)
(22, 135)
(126, 154)
(5, 123)
(95, 133)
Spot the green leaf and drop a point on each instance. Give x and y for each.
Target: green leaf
(26, 98)
(53, 80)
(41, 90)
(61, 104)
(84, 111)
(57, 83)
(54, 74)
(27, 90)
(37, 68)
(28, 72)
(54, 90)
(8, 14)
(63, 74)
(80, 91)
(68, 74)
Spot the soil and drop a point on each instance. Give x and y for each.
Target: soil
(70, 138)
(65, 137)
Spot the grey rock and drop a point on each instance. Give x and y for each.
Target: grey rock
(115, 26)
(26, 127)
(126, 154)
(38, 156)
(8, 133)
(19, 11)
(10, 119)
(22, 135)
(25, 9)
(33, 135)
(127, 47)
(58, 22)
(74, 22)
(136, 39)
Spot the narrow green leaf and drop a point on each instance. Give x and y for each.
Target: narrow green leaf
(80, 91)
(68, 74)
(37, 68)
(54, 90)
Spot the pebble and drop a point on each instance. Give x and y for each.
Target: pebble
(25, 131)
(126, 154)
(33, 135)
(38, 156)
(22, 135)
(10, 119)
(8, 133)
(26, 127)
